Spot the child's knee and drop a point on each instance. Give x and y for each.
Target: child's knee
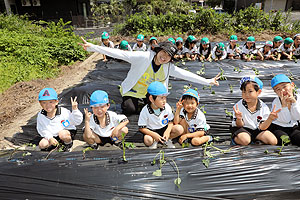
(148, 140)
(124, 130)
(44, 143)
(178, 129)
(243, 139)
(64, 135)
(199, 140)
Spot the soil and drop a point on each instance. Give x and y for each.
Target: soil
(19, 103)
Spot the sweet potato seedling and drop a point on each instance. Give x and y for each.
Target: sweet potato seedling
(285, 140)
(126, 145)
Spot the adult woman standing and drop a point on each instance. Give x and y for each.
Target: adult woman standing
(147, 67)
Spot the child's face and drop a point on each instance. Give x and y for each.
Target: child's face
(179, 44)
(190, 105)
(284, 89)
(287, 45)
(154, 42)
(277, 44)
(159, 102)
(250, 95)
(163, 57)
(249, 44)
(192, 44)
(49, 105)
(140, 43)
(100, 111)
(267, 48)
(105, 41)
(204, 46)
(233, 43)
(297, 40)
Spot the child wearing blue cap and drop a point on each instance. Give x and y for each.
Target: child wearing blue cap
(106, 43)
(156, 118)
(103, 126)
(252, 117)
(56, 124)
(192, 121)
(139, 45)
(289, 103)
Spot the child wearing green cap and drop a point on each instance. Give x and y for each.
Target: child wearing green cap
(106, 43)
(219, 52)
(124, 46)
(139, 45)
(265, 53)
(296, 46)
(190, 50)
(277, 41)
(204, 50)
(288, 101)
(156, 118)
(171, 40)
(248, 49)
(286, 49)
(145, 68)
(152, 43)
(252, 117)
(193, 124)
(179, 45)
(233, 51)
(103, 126)
(56, 124)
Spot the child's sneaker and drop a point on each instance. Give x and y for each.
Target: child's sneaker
(68, 147)
(154, 145)
(170, 144)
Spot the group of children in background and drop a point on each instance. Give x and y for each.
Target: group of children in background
(278, 49)
(252, 119)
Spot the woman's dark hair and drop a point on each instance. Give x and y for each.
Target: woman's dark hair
(253, 45)
(148, 100)
(184, 97)
(201, 48)
(255, 85)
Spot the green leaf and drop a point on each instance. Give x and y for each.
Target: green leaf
(285, 139)
(177, 182)
(266, 151)
(205, 162)
(157, 173)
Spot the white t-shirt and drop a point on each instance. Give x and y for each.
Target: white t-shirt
(247, 51)
(137, 48)
(148, 119)
(112, 120)
(252, 120)
(234, 51)
(296, 50)
(197, 121)
(110, 44)
(275, 50)
(288, 50)
(262, 52)
(194, 50)
(180, 51)
(286, 117)
(64, 119)
(204, 52)
(221, 54)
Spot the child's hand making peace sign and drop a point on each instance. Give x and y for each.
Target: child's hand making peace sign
(74, 103)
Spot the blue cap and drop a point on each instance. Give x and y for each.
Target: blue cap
(99, 98)
(157, 89)
(192, 93)
(252, 78)
(280, 78)
(47, 94)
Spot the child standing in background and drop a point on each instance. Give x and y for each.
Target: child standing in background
(286, 49)
(106, 43)
(219, 52)
(191, 119)
(277, 41)
(205, 50)
(287, 122)
(233, 51)
(252, 117)
(140, 45)
(55, 123)
(156, 118)
(248, 49)
(265, 53)
(190, 50)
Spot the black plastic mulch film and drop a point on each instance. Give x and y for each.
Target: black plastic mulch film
(243, 173)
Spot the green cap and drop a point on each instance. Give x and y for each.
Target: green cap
(251, 39)
(171, 40)
(153, 38)
(124, 45)
(233, 38)
(140, 37)
(277, 39)
(191, 39)
(221, 46)
(204, 40)
(104, 35)
(269, 43)
(288, 40)
(179, 39)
